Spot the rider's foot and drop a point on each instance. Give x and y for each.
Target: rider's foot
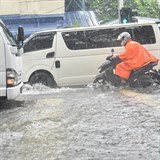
(123, 83)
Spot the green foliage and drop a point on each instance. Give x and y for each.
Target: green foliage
(108, 9)
(75, 23)
(148, 8)
(130, 4)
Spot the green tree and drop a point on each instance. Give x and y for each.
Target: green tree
(108, 9)
(130, 4)
(148, 8)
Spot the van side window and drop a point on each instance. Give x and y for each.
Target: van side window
(91, 39)
(39, 42)
(102, 38)
(144, 35)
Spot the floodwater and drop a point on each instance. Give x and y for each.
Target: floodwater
(81, 124)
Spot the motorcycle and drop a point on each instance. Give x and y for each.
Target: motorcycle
(143, 77)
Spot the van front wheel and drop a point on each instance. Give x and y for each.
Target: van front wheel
(43, 78)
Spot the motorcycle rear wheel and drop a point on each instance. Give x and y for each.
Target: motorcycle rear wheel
(142, 81)
(155, 76)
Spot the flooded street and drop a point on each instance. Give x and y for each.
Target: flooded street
(81, 124)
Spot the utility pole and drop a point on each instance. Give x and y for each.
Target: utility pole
(120, 5)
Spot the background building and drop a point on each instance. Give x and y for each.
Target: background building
(38, 15)
(8, 7)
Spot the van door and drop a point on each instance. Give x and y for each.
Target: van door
(80, 53)
(39, 53)
(2, 68)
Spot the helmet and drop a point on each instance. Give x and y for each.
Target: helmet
(124, 37)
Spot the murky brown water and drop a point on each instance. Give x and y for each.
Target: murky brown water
(81, 124)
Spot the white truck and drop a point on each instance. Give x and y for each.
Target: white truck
(10, 63)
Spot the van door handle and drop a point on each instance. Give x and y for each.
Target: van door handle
(50, 55)
(57, 64)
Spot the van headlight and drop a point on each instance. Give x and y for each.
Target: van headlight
(13, 78)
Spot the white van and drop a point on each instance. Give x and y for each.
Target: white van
(10, 63)
(68, 57)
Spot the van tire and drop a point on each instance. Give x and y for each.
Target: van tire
(43, 78)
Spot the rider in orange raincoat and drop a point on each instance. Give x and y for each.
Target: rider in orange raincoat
(134, 57)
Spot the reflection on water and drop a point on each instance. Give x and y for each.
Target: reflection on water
(81, 124)
(10, 104)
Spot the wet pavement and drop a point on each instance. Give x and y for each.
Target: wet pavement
(81, 124)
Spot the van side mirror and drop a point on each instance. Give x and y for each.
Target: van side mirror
(20, 36)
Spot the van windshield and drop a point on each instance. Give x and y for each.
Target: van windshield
(8, 35)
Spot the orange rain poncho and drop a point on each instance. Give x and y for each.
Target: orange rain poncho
(134, 57)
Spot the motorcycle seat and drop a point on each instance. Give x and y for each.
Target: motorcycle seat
(145, 68)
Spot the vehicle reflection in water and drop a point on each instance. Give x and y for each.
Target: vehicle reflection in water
(10, 104)
(81, 123)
